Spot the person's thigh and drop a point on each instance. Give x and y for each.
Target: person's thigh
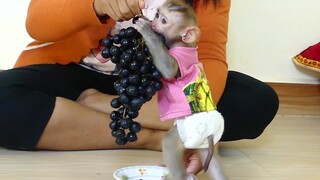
(58, 80)
(28, 96)
(247, 105)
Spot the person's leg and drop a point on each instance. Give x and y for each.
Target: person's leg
(247, 105)
(28, 103)
(148, 114)
(73, 126)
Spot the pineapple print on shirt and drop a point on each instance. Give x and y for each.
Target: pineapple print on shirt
(198, 94)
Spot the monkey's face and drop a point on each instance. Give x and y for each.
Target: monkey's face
(167, 23)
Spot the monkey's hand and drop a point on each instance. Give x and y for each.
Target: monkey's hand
(164, 62)
(143, 26)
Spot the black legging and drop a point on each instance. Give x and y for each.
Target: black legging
(247, 105)
(27, 97)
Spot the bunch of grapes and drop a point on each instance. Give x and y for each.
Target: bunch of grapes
(138, 82)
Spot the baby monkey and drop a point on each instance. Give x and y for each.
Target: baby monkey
(185, 96)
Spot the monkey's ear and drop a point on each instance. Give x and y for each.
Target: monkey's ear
(191, 34)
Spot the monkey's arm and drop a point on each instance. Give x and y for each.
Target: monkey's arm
(164, 62)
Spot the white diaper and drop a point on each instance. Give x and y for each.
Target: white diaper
(195, 129)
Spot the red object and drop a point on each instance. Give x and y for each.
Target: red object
(309, 58)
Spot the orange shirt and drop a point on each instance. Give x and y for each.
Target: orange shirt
(69, 29)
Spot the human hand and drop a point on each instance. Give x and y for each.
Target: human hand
(193, 162)
(118, 10)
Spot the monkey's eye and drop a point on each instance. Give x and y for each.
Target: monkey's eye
(164, 21)
(157, 15)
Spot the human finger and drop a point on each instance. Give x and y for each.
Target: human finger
(114, 7)
(102, 8)
(125, 10)
(112, 14)
(193, 162)
(141, 4)
(135, 6)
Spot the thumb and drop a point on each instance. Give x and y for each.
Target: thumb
(141, 4)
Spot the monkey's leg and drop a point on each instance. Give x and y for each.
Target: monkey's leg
(173, 152)
(214, 171)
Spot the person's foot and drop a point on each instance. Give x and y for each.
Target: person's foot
(96, 100)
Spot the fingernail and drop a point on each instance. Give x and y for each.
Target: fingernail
(141, 4)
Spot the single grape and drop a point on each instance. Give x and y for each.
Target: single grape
(114, 115)
(133, 113)
(131, 137)
(115, 103)
(158, 85)
(122, 33)
(150, 91)
(123, 63)
(124, 73)
(136, 103)
(117, 84)
(156, 74)
(125, 123)
(132, 91)
(125, 43)
(127, 57)
(135, 127)
(121, 90)
(114, 125)
(131, 32)
(121, 141)
(134, 43)
(134, 79)
(119, 133)
(124, 82)
(144, 69)
(115, 51)
(116, 39)
(130, 51)
(147, 98)
(115, 59)
(106, 53)
(142, 90)
(141, 56)
(124, 99)
(107, 42)
(148, 64)
(145, 81)
(135, 65)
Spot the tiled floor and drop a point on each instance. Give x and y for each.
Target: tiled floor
(289, 149)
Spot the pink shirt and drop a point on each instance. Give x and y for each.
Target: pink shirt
(172, 100)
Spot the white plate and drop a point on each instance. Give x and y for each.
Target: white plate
(141, 173)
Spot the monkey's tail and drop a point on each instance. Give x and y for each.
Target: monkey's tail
(210, 153)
